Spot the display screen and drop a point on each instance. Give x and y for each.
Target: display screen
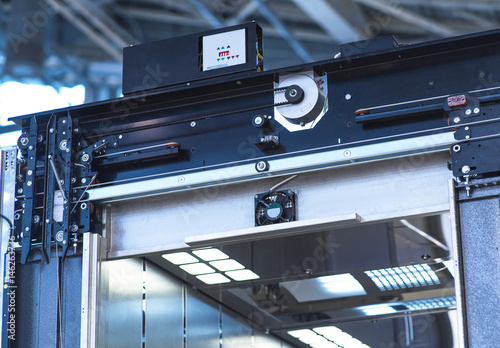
(223, 53)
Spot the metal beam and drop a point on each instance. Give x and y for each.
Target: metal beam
(206, 14)
(397, 11)
(276, 23)
(329, 19)
(86, 29)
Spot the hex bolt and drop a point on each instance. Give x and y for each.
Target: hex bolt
(468, 112)
(348, 96)
(456, 148)
(347, 153)
(29, 183)
(456, 120)
(30, 172)
(477, 110)
(193, 124)
(467, 128)
(466, 169)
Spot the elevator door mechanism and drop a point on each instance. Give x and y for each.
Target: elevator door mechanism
(306, 94)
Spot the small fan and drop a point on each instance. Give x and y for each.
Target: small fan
(274, 207)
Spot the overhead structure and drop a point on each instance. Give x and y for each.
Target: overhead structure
(328, 204)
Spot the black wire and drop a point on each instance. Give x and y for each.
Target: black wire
(7, 219)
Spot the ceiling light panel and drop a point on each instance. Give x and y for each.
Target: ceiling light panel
(213, 278)
(241, 275)
(227, 265)
(403, 277)
(197, 268)
(327, 337)
(180, 258)
(210, 254)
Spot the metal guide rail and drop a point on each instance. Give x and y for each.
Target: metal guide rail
(247, 124)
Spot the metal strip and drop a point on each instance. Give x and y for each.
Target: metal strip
(273, 231)
(461, 338)
(246, 172)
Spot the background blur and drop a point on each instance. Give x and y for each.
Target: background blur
(56, 53)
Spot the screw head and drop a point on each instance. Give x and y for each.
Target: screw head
(468, 112)
(465, 169)
(262, 166)
(258, 120)
(193, 124)
(63, 145)
(476, 110)
(456, 148)
(456, 120)
(20, 191)
(36, 219)
(84, 180)
(59, 236)
(30, 172)
(85, 157)
(348, 96)
(347, 153)
(29, 183)
(181, 179)
(24, 141)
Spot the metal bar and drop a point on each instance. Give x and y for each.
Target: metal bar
(275, 22)
(458, 271)
(425, 235)
(245, 172)
(273, 231)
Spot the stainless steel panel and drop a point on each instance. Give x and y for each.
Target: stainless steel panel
(164, 309)
(120, 311)
(380, 190)
(236, 331)
(202, 321)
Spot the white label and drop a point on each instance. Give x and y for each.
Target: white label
(224, 49)
(58, 211)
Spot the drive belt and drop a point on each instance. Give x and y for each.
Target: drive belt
(188, 119)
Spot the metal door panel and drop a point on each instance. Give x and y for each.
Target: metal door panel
(202, 321)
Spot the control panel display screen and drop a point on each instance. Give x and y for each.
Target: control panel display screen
(224, 49)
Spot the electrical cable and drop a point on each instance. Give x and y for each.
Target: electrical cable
(282, 182)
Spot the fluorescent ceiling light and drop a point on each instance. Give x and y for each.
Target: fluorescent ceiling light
(327, 344)
(180, 258)
(301, 333)
(324, 288)
(197, 268)
(440, 302)
(313, 339)
(403, 277)
(378, 309)
(244, 274)
(327, 337)
(213, 278)
(227, 265)
(210, 254)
